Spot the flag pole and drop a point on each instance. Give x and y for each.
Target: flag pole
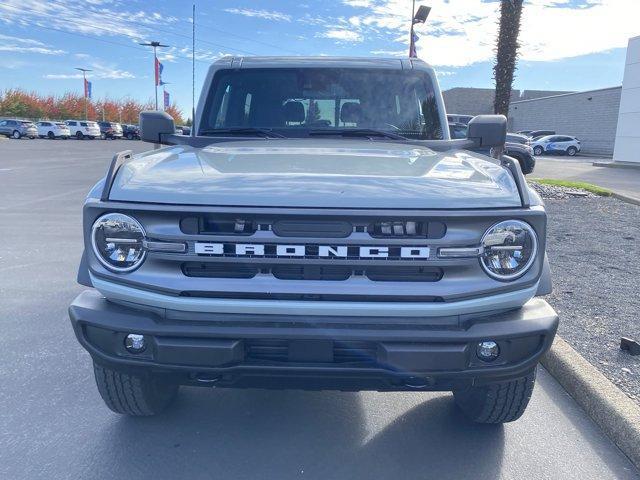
(84, 88)
(156, 78)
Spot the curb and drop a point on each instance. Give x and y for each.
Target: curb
(615, 413)
(626, 198)
(618, 164)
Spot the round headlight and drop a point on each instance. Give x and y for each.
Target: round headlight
(508, 249)
(117, 241)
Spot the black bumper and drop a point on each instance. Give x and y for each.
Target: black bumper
(314, 353)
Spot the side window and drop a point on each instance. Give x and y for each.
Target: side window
(224, 107)
(83, 124)
(3, 123)
(73, 124)
(247, 108)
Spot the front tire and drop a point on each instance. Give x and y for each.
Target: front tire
(572, 151)
(498, 402)
(79, 135)
(16, 134)
(51, 136)
(537, 151)
(129, 136)
(135, 395)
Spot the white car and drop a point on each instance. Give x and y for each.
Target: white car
(53, 130)
(83, 128)
(556, 144)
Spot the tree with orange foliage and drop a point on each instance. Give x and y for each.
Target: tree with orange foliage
(23, 104)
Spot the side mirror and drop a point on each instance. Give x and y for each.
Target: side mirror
(488, 130)
(154, 125)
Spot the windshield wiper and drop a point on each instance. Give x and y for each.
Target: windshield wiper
(357, 132)
(242, 131)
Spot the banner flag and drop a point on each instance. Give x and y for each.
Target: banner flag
(87, 88)
(167, 99)
(159, 68)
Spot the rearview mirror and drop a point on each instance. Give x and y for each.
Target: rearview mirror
(154, 125)
(488, 130)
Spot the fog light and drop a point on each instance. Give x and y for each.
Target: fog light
(135, 343)
(488, 351)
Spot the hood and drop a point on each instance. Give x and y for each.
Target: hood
(331, 173)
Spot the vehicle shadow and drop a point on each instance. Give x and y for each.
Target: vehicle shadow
(290, 434)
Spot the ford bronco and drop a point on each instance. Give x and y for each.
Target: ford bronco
(318, 229)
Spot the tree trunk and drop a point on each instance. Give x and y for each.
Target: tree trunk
(506, 54)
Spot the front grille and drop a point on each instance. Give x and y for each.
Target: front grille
(312, 272)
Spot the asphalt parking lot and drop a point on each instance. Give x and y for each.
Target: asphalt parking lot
(580, 168)
(53, 424)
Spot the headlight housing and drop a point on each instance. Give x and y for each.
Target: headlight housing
(118, 242)
(509, 249)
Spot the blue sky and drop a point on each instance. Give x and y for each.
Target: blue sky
(566, 44)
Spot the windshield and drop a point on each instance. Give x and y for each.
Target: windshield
(297, 101)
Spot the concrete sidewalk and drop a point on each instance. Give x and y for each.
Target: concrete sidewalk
(625, 181)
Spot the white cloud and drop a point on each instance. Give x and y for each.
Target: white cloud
(20, 40)
(463, 32)
(342, 35)
(265, 14)
(100, 71)
(23, 49)
(94, 18)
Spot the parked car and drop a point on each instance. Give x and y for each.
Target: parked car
(514, 147)
(556, 144)
(131, 132)
(53, 130)
(110, 130)
(526, 133)
(540, 133)
(18, 128)
(517, 138)
(83, 128)
(457, 130)
(353, 255)
(457, 118)
(186, 130)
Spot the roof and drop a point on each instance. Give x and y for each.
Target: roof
(568, 94)
(321, 61)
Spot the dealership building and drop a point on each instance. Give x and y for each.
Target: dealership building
(607, 120)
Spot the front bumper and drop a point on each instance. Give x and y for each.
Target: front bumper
(346, 353)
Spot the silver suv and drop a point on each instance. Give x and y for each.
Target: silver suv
(319, 229)
(18, 128)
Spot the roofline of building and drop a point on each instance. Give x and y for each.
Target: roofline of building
(567, 94)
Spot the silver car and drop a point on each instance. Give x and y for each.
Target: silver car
(18, 129)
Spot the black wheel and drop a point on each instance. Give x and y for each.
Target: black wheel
(129, 136)
(16, 134)
(51, 136)
(538, 151)
(103, 136)
(571, 151)
(498, 402)
(79, 135)
(139, 396)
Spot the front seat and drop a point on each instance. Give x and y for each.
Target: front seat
(351, 112)
(293, 112)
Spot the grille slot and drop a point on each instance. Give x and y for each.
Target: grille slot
(275, 350)
(311, 272)
(314, 229)
(404, 274)
(219, 270)
(407, 229)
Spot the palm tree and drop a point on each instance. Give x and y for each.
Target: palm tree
(506, 53)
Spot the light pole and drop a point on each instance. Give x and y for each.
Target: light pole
(416, 17)
(84, 87)
(155, 46)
